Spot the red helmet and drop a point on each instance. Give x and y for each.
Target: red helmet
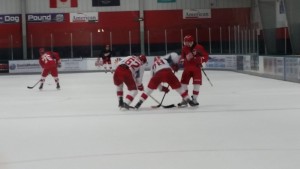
(188, 40)
(143, 58)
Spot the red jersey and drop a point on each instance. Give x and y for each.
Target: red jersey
(49, 59)
(194, 56)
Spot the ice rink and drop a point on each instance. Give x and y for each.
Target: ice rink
(243, 122)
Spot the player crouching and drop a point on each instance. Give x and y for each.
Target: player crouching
(129, 71)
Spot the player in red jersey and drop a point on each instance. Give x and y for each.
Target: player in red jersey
(193, 56)
(49, 62)
(162, 71)
(129, 71)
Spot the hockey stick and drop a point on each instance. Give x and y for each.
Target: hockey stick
(207, 77)
(159, 104)
(31, 87)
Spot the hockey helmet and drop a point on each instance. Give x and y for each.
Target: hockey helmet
(175, 57)
(143, 58)
(188, 40)
(172, 58)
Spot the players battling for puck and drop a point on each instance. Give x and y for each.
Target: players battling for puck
(129, 71)
(162, 72)
(49, 62)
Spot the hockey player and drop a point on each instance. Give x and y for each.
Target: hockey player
(162, 71)
(105, 55)
(129, 71)
(193, 56)
(49, 62)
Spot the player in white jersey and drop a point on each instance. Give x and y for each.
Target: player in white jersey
(130, 72)
(162, 72)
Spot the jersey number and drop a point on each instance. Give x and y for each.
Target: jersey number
(158, 62)
(133, 63)
(46, 58)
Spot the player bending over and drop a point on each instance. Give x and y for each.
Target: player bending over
(162, 71)
(129, 71)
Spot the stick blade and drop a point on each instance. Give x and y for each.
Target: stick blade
(154, 107)
(169, 106)
(29, 87)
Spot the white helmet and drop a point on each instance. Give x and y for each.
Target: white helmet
(172, 58)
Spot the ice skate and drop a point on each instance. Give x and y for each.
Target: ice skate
(126, 106)
(41, 86)
(121, 103)
(57, 86)
(192, 103)
(138, 105)
(182, 104)
(185, 103)
(195, 101)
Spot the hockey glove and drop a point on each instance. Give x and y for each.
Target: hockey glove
(165, 89)
(58, 64)
(175, 67)
(203, 65)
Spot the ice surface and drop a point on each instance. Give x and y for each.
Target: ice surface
(243, 122)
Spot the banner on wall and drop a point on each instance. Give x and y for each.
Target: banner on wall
(269, 65)
(10, 18)
(84, 17)
(222, 62)
(33, 66)
(279, 66)
(196, 13)
(254, 61)
(24, 66)
(67, 65)
(53, 17)
(105, 2)
(291, 68)
(76, 64)
(63, 3)
(165, 1)
(273, 66)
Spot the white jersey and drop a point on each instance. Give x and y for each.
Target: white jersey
(164, 62)
(159, 64)
(136, 67)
